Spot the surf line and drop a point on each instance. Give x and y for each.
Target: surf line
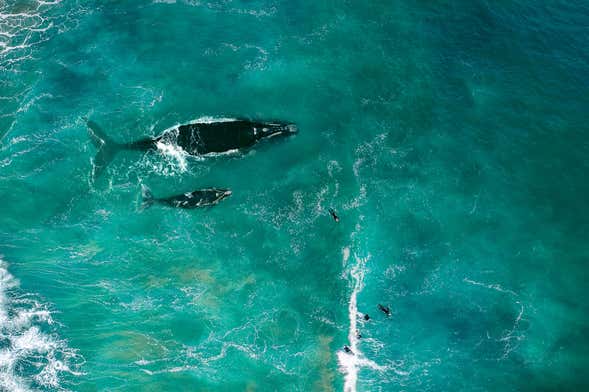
(32, 355)
(350, 363)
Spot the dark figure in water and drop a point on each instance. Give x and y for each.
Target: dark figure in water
(348, 350)
(200, 198)
(358, 335)
(199, 137)
(333, 214)
(366, 317)
(385, 309)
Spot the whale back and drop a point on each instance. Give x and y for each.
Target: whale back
(205, 138)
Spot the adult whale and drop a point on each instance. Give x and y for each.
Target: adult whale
(199, 137)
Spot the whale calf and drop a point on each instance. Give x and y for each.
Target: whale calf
(199, 137)
(195, 199)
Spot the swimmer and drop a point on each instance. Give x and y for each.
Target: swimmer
(333, 214)
(385, 309)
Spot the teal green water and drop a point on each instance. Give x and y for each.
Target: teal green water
(450, 136)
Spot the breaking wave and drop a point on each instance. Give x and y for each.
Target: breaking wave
(32, 356)
(351, 363)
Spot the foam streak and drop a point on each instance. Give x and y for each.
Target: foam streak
(351, 363)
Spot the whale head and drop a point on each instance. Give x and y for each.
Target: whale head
(267, 130)
(221, 194)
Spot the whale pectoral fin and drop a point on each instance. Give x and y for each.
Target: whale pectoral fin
(147, 197)
(97, 136)
(107, 148)
(101, 161)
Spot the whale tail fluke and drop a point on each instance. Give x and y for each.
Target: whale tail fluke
(105, 146)
(147, 197)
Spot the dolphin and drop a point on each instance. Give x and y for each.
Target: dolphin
(195, 199)
(199, 137)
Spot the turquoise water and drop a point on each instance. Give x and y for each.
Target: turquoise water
(450, 136)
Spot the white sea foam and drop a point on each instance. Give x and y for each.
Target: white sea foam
(27, 105)
(244, 340)
(496, 287)
(24, 26)
(358, 201)
(514, 336)
(23, 322)
(223, 7)
(350, 363)
(20, 31)
(143, 362)
(176, 153)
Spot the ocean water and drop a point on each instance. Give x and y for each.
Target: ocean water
(450, 136)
